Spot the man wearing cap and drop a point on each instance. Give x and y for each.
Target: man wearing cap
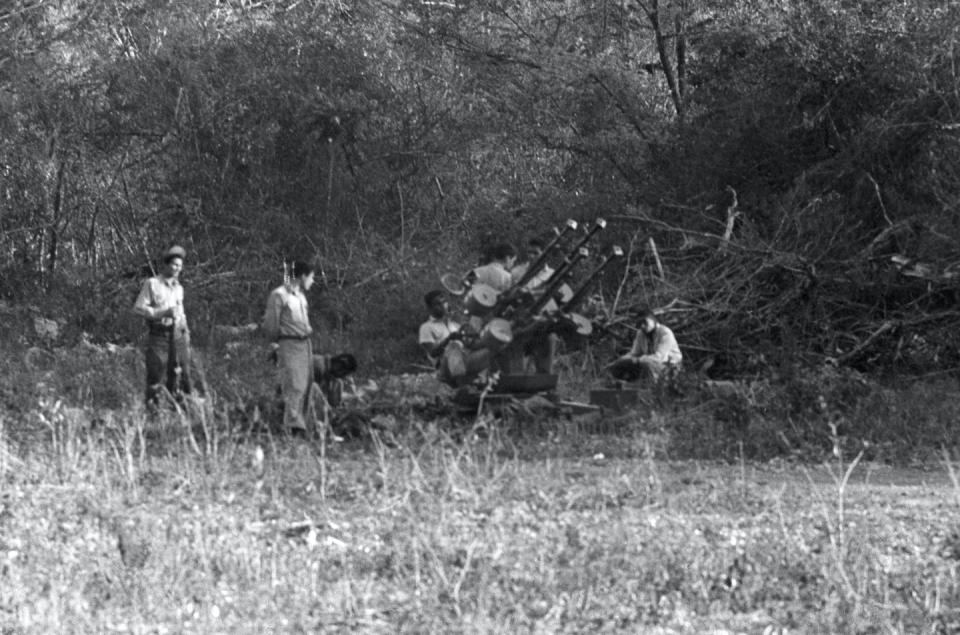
(286, 324)
(168, 356)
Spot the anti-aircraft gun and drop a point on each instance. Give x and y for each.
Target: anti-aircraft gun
(510, 321)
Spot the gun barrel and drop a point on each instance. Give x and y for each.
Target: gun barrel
(581, 293)
(557, 279)
(537, 265)
(597, 226)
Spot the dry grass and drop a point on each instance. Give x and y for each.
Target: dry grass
(437, 536)
(110, 522)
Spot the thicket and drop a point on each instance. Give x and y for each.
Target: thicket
(783, 174)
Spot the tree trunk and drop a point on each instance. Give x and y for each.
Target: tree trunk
(670, 71)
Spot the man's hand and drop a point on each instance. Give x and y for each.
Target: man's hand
(624, 358)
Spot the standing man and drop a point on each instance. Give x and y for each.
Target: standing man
(438, 329)
(653, 354)
(286, 323)
(167, 353)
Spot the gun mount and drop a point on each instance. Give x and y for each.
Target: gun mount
(522, 325)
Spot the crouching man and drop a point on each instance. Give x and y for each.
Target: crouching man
(654, 356)
(330, 372)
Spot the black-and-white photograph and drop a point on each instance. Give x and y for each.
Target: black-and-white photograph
(480, 316)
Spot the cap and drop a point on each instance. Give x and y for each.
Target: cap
(174, 252)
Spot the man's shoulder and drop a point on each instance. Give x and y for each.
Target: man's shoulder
(432, 322)
(428, 331)
(494, 274)
(154, 282)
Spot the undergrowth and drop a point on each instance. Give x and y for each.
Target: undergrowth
(192, 522)
(113, 528)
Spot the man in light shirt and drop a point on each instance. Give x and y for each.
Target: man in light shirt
(496, 273)
(436, 332)
(169, 360)
(286, 324)
(534, 251)
(654, 353)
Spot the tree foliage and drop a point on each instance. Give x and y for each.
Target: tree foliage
(388, 139)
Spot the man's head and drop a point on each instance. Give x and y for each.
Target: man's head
(303, 274)
(504, 253)
(436, 303)
(535, 248)
(646, 320)
(342, 365)
(173, 261)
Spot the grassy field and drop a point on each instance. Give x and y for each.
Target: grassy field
(110, 522)
(122, 527)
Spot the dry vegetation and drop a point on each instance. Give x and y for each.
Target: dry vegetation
(110, 522)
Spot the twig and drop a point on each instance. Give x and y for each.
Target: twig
(656, 257)
(876, 190)
(626, 274)
(865, 344)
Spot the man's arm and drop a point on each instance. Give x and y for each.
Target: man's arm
(639, 346)
(142, 306)
(667, 350)
(271, 316)
(428, 342)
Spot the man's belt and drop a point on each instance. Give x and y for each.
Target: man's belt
(293, 337)
(154, 328)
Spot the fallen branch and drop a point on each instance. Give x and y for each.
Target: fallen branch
(656, 257)
(867, 343)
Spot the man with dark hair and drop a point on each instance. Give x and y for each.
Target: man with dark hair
(286, 324)
(653, 355)
(169, 360)
(329, 373)
(534, 251)
(496, 273)
(436, 332)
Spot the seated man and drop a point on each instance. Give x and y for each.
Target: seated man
(654, 352)
(539, 345)
(496, 274)
(534, 251)
(441, 339)
(436, 332)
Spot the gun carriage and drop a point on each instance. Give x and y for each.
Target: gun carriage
(502, 327)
